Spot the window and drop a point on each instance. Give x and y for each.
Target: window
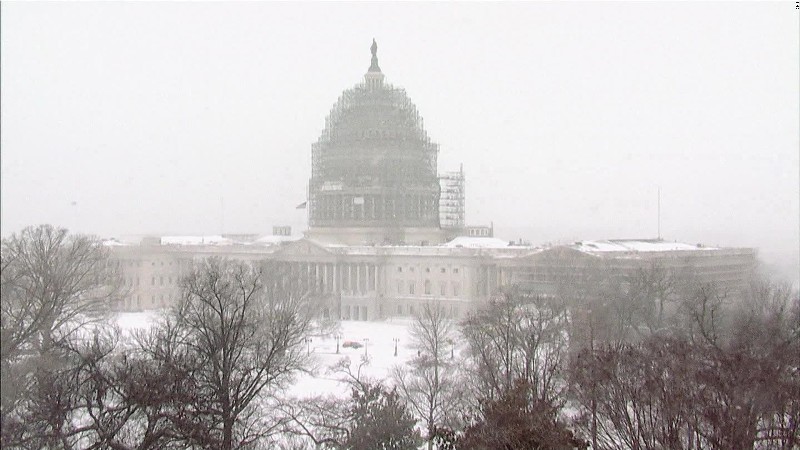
(399, 269)
(456, 289)
(161, 281)
(399, 287)
(427, 269)
(443, 270)
(411, 269)
(427, 287)
(170, 280)
(411, 287)
(153, 281)
(442, 288)
(455, 270)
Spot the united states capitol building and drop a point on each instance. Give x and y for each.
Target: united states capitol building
(387, 231)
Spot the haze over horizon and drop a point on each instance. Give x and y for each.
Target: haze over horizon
(198, 118)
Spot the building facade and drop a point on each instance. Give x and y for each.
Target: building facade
(381, 281)
(387, 234)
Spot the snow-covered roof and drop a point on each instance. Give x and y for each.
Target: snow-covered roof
(195, 240)
(268, 240)
(274, 240)
(644, 245)
(113, 243)
(476, 242)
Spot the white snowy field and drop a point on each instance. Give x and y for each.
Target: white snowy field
(377, 343)
(377, 340)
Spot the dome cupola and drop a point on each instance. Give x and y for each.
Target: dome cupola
(374, 165)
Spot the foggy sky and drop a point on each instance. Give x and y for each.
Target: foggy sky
(183, 118)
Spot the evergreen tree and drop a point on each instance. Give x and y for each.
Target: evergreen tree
(517, 421)
(381, 421)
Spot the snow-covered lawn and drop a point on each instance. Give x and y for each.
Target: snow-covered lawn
(376, 339)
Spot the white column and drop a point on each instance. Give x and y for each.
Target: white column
(325, 278)
(358, 278)
(350, 277)
(336, 284)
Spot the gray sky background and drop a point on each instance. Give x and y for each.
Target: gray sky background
(183, 118)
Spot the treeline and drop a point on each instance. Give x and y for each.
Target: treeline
(638, 364)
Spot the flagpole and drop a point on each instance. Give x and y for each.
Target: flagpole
(222, 215)
(659, 212)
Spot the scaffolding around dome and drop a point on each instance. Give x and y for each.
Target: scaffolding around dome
(374, 169)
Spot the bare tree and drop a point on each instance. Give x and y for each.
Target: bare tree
(776, 309)
(650, 291)
(53, 285)
(134, 394)
(750, 355)
(728, 381)
(430, 383)
(244, 327)
(519, 337)
(634, 396)
(203, 377)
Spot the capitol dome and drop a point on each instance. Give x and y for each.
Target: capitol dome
(374, 168)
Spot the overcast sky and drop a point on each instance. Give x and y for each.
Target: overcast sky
(181, 118)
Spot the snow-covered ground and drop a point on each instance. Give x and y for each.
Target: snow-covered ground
(376, 340)
(130, 321)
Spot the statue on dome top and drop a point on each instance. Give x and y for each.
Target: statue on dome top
(374, 66)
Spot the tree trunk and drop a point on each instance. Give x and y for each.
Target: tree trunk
(227, 434)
